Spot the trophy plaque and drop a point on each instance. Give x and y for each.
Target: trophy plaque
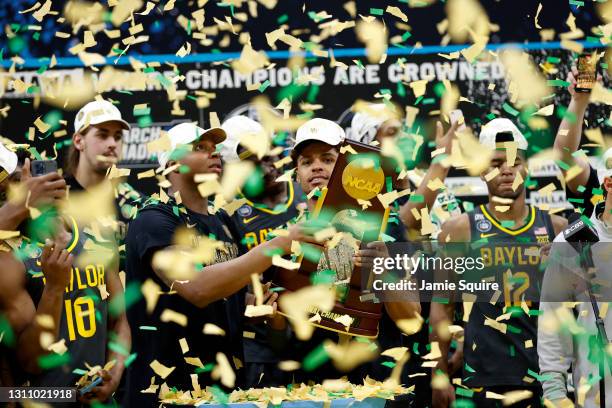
(350, 204)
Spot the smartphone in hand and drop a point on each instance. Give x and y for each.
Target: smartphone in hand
(42, 167)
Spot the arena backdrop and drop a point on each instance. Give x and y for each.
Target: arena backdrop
(208, 84)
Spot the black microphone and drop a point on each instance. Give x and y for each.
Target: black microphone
(580, 235)
(579, 231)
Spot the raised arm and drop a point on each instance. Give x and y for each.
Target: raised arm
(435, 171)
(36, 191)
(56, 266)
(220, 280)
(569, 134)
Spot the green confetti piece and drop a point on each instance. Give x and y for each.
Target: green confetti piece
(218, 394)
(142, 111)
(562, 164)
(416, 198)
(264, 86)
(507, 223)
(118, 348)
(144, 121)
(553, 60)
(376, 11)
(6, 332)
(119, 304)
(581, 189)
(311, 252)
(316, 358)
(468, 368)
(597, 191)
(576, 3)
(512, 351)
(165, 82)
(463, 403)
(79, 371)
(389, 364)
(401, 89)
(406, 35)
(533, 374)
(324, 277)
(440, 300)
(535, 312)
(130, 359)
(464, 392)
(53, 360)
(313, 92)
(282, 19)
(558, 82)
(151, 328)
(387, 238)
(510, 110)
(593, 39)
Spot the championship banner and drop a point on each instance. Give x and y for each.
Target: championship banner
(154, 96)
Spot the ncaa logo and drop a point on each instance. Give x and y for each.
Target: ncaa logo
(484, 225)
(245, 210)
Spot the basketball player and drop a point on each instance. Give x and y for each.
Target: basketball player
(264, 211)
(494, 361)
(96, 147)
(67, 305)
(213, 294)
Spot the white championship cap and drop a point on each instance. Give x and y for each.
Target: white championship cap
(235, 128)
(365, 125)
(8, 161)
(322, 130)
(96, 112)
(490, 130)
(187, 133)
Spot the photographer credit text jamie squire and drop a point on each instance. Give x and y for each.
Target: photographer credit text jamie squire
(412, 264)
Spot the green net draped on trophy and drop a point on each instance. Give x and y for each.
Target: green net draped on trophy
(350, 205)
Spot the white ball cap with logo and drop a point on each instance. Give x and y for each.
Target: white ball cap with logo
(489, 131)
(322, 130)
(235, 128)
(8, 160)
(187, 133)
(96, 112)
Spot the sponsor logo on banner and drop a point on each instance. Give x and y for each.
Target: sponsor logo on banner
(555, 200)
(134, 149)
